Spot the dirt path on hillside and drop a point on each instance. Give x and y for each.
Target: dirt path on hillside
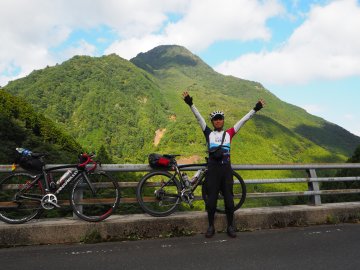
(182, 160)
(158, 135)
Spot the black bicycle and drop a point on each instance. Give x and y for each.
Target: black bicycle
(94, 195)
(160, 192)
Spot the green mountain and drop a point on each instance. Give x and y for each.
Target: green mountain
(119, 104)
(285, 132)
(21, 126)
(104, 101)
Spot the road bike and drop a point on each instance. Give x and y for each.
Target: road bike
(94, 195)
(160, 192)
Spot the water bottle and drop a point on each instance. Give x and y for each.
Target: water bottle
(185, 177)
(63, 177)
(196, 176)
(24, 152)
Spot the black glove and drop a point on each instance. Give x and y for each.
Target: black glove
(188, 100)
(258, 106)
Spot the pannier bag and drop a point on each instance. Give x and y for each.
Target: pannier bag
(31, 164)
(157, 161)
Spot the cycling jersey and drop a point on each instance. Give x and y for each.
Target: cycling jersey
(214, 137)
(219, 176)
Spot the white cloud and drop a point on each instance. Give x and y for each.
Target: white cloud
(225, 20)
(325, 46)
(205, 22)
(82, 48)
(30, 28)
(131, 47)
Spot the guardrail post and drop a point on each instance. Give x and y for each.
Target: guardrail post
(313, 186)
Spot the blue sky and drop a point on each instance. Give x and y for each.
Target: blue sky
(305, 52)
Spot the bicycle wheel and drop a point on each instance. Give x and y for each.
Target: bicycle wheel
(20, 198)
(95, 206)
(239, 191)
(158, 193)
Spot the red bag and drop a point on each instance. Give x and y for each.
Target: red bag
(157, 161)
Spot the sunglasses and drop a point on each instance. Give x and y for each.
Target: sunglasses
(218, 117)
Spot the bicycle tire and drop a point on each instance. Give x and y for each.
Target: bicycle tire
(154, 197)
(16, 207)
(99, 206)
(239, 191)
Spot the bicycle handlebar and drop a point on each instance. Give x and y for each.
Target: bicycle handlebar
(88, 160)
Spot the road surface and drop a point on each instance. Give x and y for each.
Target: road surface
(317, 247)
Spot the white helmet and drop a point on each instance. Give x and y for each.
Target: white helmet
(216, 113)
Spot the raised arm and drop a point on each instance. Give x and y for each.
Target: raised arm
(259, 105)
(199, 118)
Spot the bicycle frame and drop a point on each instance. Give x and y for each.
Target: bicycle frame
(171, 187)
(93, 196)
(178, 169)
(47, 172)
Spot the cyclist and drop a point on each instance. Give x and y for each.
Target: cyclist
(219, 176)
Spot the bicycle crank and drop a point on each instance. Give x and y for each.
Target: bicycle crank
(49, 201)
(187, 196)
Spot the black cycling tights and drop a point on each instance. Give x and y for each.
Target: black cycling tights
(219, 177)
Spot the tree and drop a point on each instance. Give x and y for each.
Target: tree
(355, 158)
(103, 156)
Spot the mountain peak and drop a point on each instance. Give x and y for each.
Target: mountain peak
(166, 56)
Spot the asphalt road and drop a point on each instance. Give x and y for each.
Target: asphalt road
(317, 247)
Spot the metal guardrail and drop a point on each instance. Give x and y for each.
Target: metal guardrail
(312, 180)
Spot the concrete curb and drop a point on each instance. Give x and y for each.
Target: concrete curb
(133, 227)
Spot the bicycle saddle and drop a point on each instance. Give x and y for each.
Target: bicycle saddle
(38, 155)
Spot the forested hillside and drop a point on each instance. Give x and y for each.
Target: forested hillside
(104, 101)
(21, 126)
(279, 133)
(119, 104)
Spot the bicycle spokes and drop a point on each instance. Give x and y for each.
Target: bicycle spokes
(20, 198)
(158, 193)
